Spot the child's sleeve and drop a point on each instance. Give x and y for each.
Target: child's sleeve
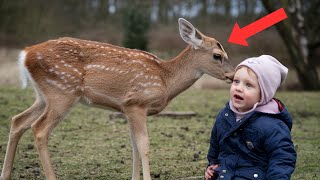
(213, 151)
(281, 152)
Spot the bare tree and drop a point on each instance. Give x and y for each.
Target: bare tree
(300, 37)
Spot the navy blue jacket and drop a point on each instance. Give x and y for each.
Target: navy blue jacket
(258, 146)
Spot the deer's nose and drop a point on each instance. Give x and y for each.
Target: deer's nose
(229, 75)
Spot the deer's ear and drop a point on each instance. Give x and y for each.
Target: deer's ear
(189, 33)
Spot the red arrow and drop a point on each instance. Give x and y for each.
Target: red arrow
(239, 36)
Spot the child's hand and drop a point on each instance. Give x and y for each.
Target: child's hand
(210, 171)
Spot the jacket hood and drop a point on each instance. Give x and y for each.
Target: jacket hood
(285, 117)
(283, 114)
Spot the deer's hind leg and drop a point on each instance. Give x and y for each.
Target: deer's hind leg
(19, 124)
(57, 106)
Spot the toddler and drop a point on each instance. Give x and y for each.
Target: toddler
(251, 136)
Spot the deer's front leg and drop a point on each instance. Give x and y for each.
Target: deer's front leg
(137, 118)
(136, 163)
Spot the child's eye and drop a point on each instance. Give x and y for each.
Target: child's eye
(248, 85)
(235, 81)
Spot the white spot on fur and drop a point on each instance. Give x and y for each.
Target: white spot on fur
(147, 92)
(39, 56)
(56, 84)
(88, 66)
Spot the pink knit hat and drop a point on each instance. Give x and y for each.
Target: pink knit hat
(270, 72)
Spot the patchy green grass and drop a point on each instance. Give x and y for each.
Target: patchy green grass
(87, 145)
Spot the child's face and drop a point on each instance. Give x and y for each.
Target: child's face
(245, 90)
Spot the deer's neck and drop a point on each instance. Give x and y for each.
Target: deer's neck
(181, 72)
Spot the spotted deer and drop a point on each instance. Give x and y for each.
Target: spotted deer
(68, 70)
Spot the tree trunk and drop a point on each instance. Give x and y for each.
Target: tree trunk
(307, 73)
(163, 11)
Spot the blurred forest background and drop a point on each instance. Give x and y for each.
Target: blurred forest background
(152, 25)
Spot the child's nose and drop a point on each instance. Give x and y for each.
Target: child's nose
(239, 87)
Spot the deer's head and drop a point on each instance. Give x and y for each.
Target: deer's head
(210, 56)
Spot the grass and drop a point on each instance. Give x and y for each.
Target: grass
(87, 145)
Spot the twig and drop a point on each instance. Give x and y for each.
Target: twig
(171, 114)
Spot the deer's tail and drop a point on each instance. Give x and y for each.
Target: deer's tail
(24, 74)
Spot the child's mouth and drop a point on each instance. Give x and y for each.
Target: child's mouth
(237, 97)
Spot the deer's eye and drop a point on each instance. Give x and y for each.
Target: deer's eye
(217, 57)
